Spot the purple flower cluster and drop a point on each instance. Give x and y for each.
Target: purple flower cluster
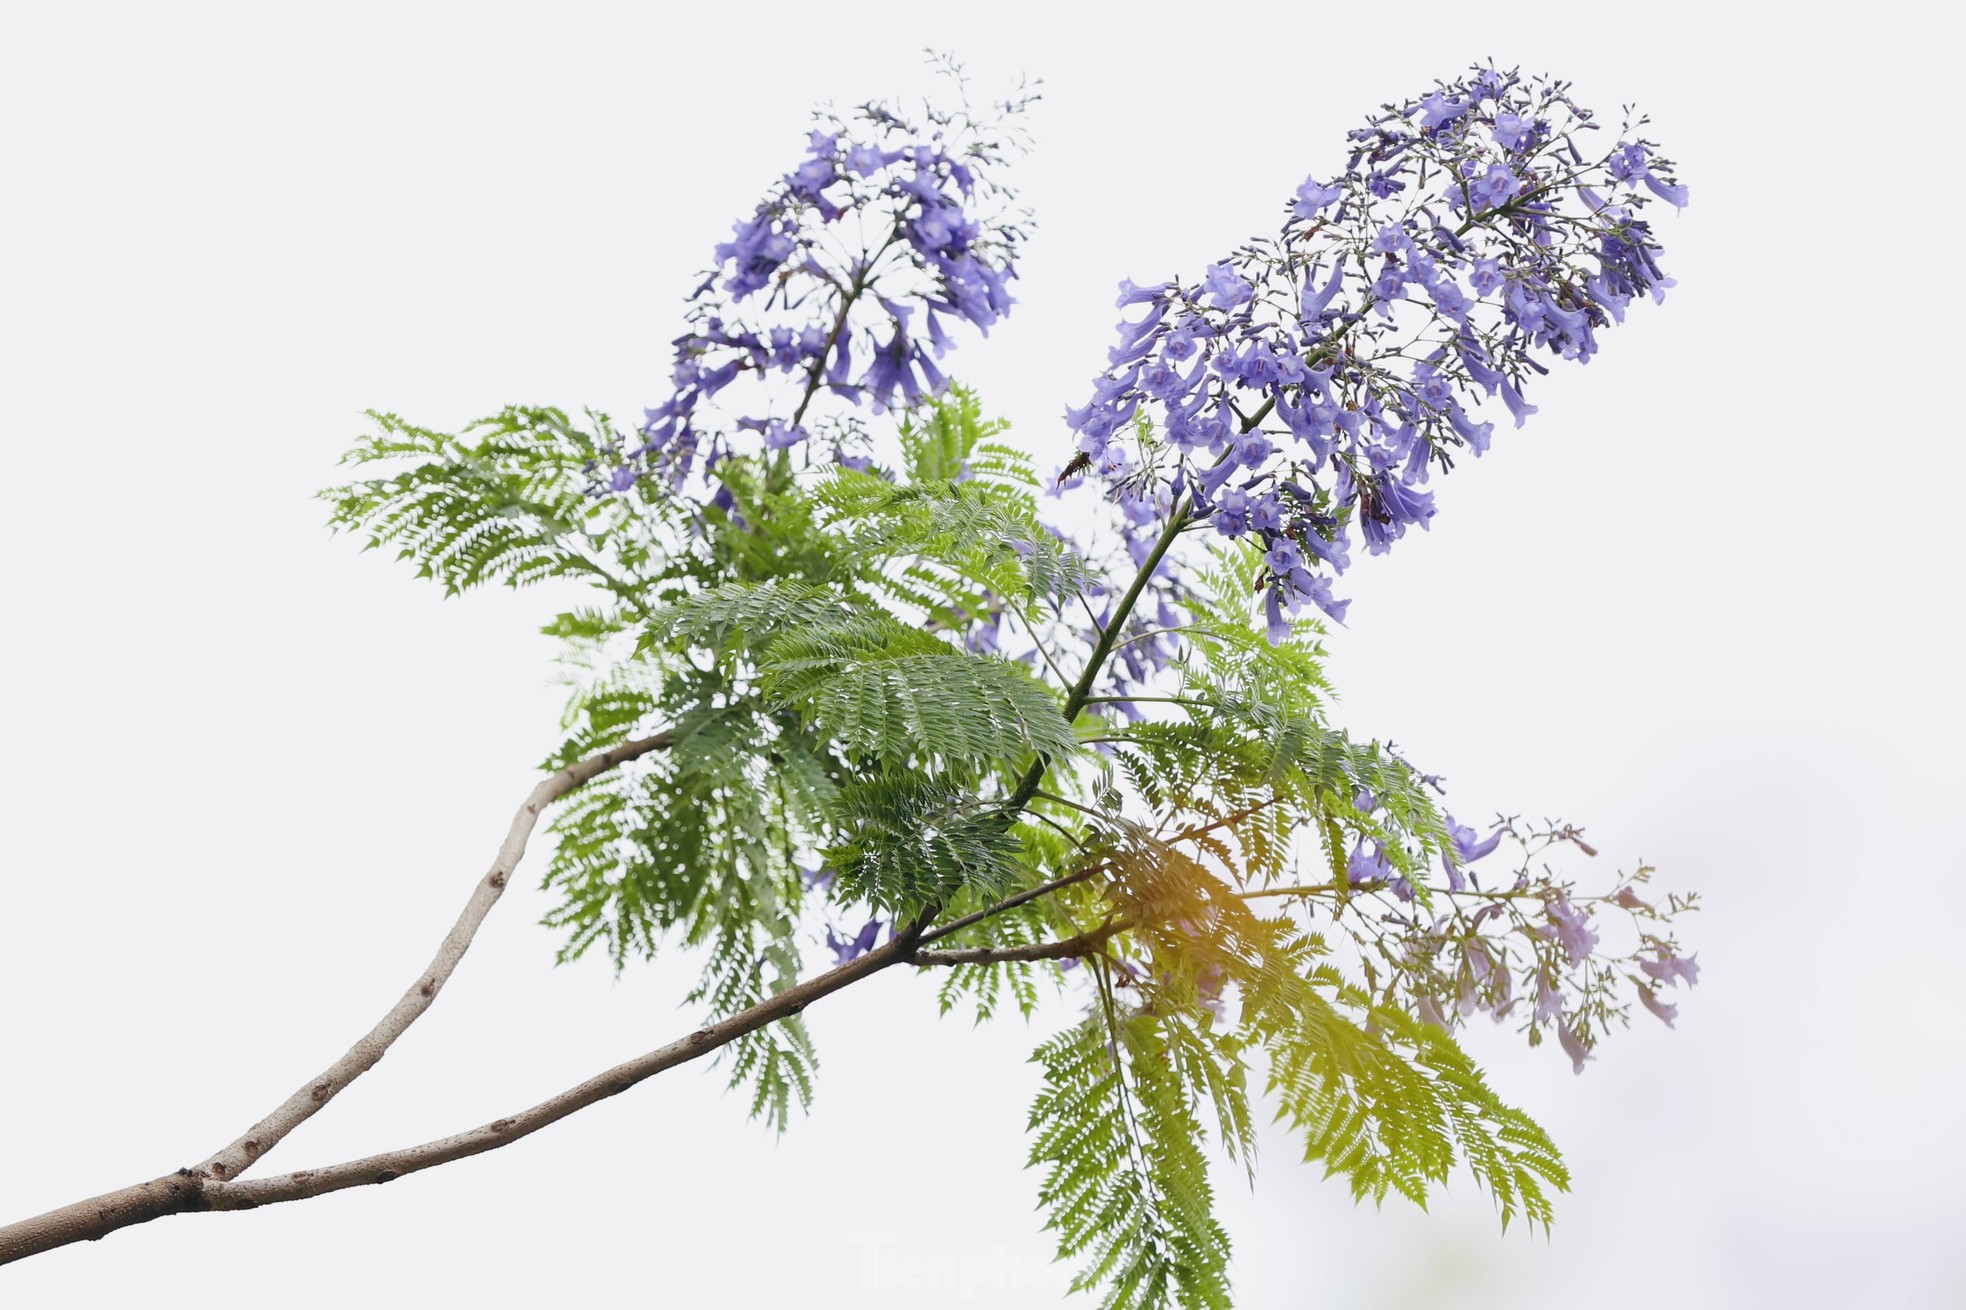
(1466, 948)
(845, 281)
(1308, 385)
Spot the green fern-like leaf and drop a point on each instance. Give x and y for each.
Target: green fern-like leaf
(910, 839)
(892, 693)
(1126, 1183)
(1383, 1099)
(737, 616)
(987, 536)
(502, 503)
(949, 440)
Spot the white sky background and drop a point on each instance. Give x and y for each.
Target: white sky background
(1704, 604)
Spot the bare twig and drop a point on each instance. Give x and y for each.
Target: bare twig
(361, 1057)
(186, 1191)
(215, 1184)
(1038, 641)
(1012, 902)
(1070, 949)
(301, 1184)
(1226, 821)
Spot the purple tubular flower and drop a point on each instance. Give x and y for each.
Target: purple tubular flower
(867, 160)
(1627, 897)
(1431, 389)
(1671, 193)
(1318, 592)
(1106, 389)
(1165, 382)
(1316, 298)
(1474, 358)
(1510, 129)
(710, 381)
(812, 177)
(1494, 188)
(1363, 870)
(1392, 239)
(1334, 552)
(1251, 449)
(842, 365)
(846, 950)
(1517, 405)
(1477, 435)
(1467, 844)
(1436, 111)
(1573, 1047)
(1450, 299)
(1226, 287)
(1313, 196)
(1136, 338)
(1388, 286)
(1112, 464)
(1406, 505)
(1388, 509)
(1549, 1002)
(1279, 627)
(1630, 163)
(1504, 1001)
(1305, 424)
(1384, 183)
(889, 372)
(1231, 512)
(1649, 998)
(1606, 290)
(1266, 514)
(1670, 969)
(757, 250)
(1572, 928)
(1182, 342)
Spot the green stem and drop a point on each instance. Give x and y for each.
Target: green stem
(1012, 902)
(916, 932)
(1156, 700)
(1068, 803)
(1082, 692)
(1036, 640)
(1151, 633)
